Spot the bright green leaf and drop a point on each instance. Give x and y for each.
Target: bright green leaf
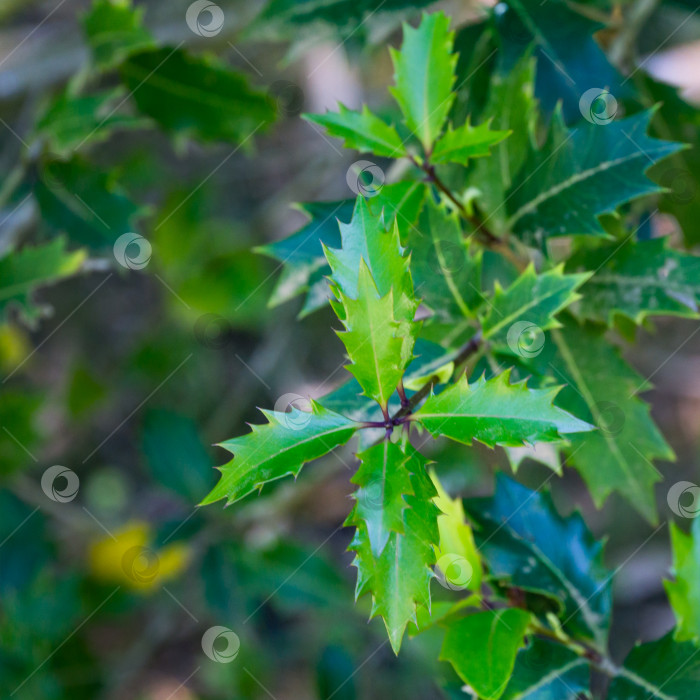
(684, 591)
(465, 142)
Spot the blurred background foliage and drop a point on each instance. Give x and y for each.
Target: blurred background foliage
(128, 377)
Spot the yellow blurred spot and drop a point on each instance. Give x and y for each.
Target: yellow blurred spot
(14, 346)
(126, 557)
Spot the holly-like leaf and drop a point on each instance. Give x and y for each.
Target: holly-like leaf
(424, 72)
(530, 302)
(78, 200)
(663, 670)
(114, 30)
(511, 100)
(446, 270)
(457, 556)
(379, 347)
(278, 448)
(363, 131)
(465, 142)
(496, 412)
(684, 592)
(581, 173)
(528, 545)
(32, 267)
(399, 578)
(547, 671)
(71, 121)
(602, 389)
(192, 96)
(638, 279)
(482, 648)
(567, 53)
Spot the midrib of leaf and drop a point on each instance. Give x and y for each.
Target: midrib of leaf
(591, 403)
(643, 683)
(569, 182)
(645, 281)
(553, 675)
(489, 645)
(372, 340)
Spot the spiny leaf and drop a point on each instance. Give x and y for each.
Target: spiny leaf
(24, 271)
(424, 74)
(399, 578)
(278, 448)
(446, 271)
(638, 279)
(548, 671)
(533, 300)
(467, 141)
(379, 346)
(582, 173)
(602, 390)
(496, 412)
(482, 648)
(528, 545)
(192, 96)
(684, 592)
(660, 670)
(363, 131)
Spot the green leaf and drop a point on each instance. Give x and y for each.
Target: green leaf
(602, 389)
(192, 96)
(548, 671)
(363, 131)
(399, 578)
(446, 271)
(84, 203)
(496, 412)
(567, 53)
(638, 279)
(511, 100)
(582, 173)
(465, 142)
(663, 670)
(482, 648)
(71, 121)
(379, 347)
(457, 555)
(114, 30)
(684, 591)
(531, 301)
(424, 74)
(280, 447)
(527, 544)
(22, 272)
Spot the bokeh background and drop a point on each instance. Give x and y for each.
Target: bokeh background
(130, 376)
